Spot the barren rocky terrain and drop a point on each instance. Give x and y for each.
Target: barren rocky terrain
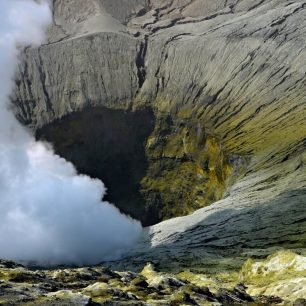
(193, 112)
(283, 275)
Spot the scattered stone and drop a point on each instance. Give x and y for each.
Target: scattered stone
(101, 286)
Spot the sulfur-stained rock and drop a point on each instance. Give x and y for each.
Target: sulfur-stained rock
(152, 287)
(100, 290)
(282, 274)
(64, 298)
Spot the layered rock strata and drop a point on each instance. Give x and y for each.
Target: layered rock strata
(235, 69)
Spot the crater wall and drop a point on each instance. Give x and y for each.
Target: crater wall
(235, 68)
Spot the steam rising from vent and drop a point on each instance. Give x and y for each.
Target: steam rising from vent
(48, 213)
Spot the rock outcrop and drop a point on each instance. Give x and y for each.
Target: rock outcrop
(102, 286)
(233, 71)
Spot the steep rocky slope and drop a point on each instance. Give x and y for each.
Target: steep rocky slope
(225, 83)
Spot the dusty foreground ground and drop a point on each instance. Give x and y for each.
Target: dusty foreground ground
(278, 280)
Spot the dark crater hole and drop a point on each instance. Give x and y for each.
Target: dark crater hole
(109, 145)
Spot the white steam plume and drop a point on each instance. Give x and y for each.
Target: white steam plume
(48, 213)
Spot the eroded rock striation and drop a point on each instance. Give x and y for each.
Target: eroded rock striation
(225, 84)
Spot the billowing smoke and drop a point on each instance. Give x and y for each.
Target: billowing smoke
(48, 213)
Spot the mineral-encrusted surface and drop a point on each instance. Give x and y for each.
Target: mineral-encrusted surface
(276, 281)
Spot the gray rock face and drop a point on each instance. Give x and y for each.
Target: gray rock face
(89, 71)
(239, 66)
